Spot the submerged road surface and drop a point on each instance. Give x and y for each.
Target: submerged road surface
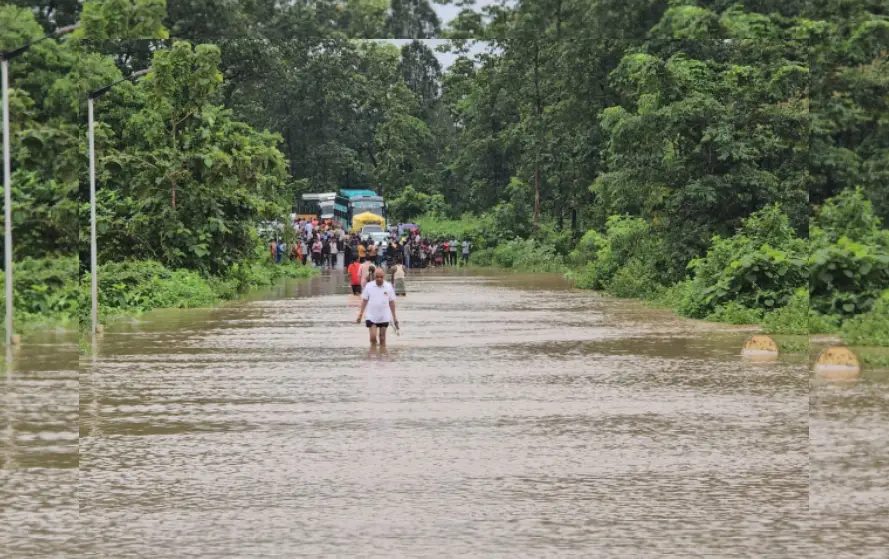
(513, 417)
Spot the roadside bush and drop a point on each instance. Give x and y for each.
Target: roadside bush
(635, 279)
(870, 328)
(527, 255)
(735, 313)
(792, 318)
(849, 261)
(674, 296)
(483, 257)
(848, 276)
(760, 267)
(139, 286)
(629, 245)
(468, 227)
(410, 204)
(823, 323)
(586, 249)
(265, 273)
(44, 290)
(562, 241)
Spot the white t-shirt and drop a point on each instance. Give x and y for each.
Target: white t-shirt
(465, 247)
(378, 298)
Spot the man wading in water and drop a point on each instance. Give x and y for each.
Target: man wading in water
(378, 298)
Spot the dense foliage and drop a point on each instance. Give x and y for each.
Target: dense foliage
(181, 181)
(138, 286)
(729, 160)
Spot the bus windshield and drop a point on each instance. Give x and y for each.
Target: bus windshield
(373, 206)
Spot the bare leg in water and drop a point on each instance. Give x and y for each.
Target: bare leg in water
(373, 335)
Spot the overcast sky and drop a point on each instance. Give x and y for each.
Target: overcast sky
(446, 14)
(444, 58)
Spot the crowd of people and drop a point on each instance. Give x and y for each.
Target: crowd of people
(327, 245)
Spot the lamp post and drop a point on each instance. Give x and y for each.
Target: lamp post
(5, 57)
(94, 280)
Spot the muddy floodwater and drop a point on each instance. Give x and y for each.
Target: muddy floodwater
(513, 417)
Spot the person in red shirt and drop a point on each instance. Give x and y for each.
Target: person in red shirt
(355, 276)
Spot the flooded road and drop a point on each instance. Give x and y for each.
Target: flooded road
(512, 417)
(849, 432)
(39, 446)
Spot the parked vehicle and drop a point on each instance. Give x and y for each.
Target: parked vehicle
(367, 219)
(352, 204)
(381, 237)
(372, 229)
(316, 206)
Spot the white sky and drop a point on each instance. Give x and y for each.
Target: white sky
(446, 14)
(444, 58)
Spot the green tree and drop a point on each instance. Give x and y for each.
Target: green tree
(48, 86)
(184, 183)
(123, 19)
(412, 19)
(51, 14)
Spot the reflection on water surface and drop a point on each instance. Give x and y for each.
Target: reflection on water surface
(513, 417)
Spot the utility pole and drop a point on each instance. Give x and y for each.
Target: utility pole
(94, 279)
(5, 57)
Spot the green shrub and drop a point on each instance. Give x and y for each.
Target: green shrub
(481, 231)
(624, 261)
(823, 323)
(674, 296)
(527, 255)
(792, 318)
(760, 267)
(849, 261)
(793, 346)
(140, 286)
(562, 241)
(870, 328)
(44, 292)
(587, 248)
(483, 257)
(636, 279)
(847, 277)
(735, 313)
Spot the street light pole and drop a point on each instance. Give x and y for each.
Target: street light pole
(94, 287)
(94, 278)
(7, 199)
(5, 57)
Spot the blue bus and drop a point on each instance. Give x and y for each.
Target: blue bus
(340, 207)
(350, 203)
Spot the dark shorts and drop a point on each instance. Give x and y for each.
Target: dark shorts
(356, 289)
(378, 325)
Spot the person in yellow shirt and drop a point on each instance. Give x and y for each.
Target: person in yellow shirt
(362, 251)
